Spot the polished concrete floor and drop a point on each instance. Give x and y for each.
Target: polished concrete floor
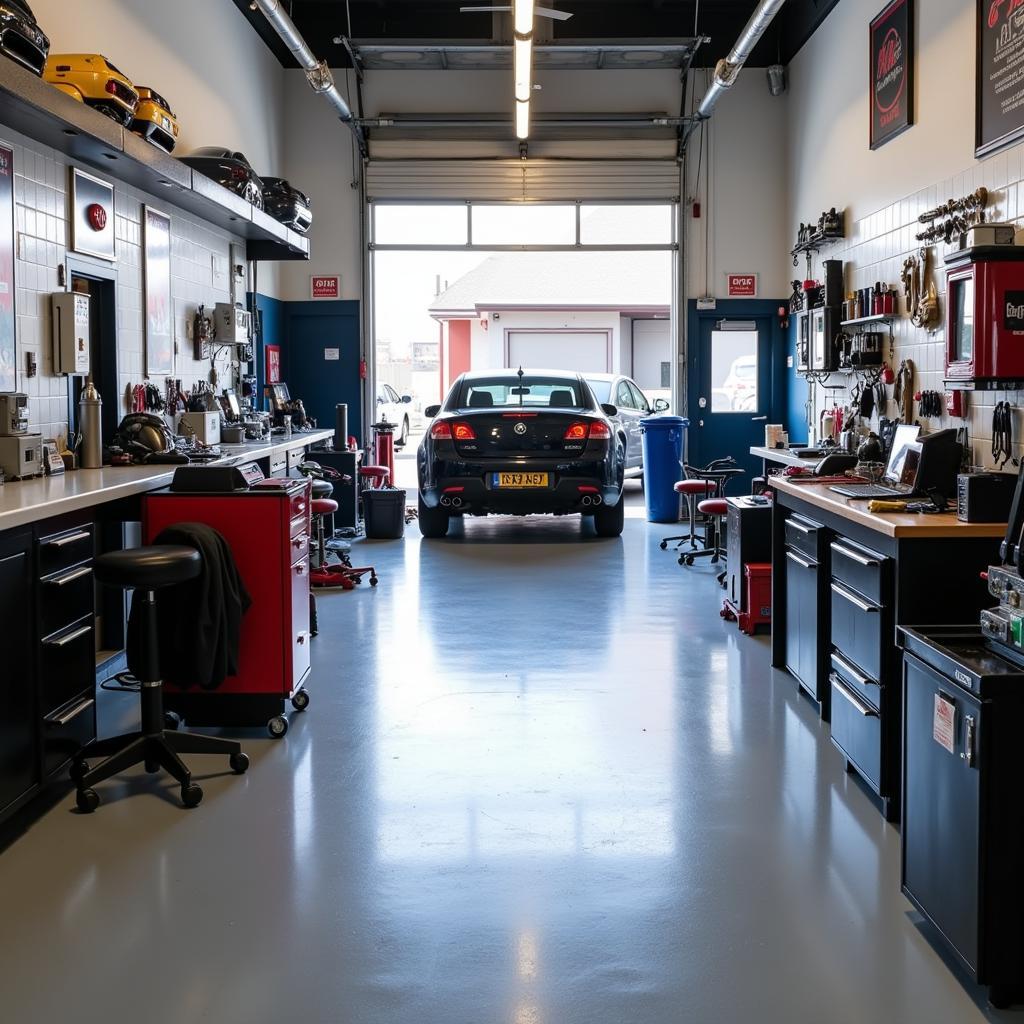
(540, 782)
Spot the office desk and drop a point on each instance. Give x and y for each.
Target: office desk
(50, 530)
(843, 579)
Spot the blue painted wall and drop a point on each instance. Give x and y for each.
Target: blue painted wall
(274, 327)
(796, 393)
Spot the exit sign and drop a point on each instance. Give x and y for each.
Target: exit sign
(326, 287)
(742, 286)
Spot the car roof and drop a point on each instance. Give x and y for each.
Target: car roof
(512, 374)
(604, 376)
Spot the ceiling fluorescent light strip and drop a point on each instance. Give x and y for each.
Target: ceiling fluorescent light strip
(523, 17)
(523, 70)
(522, 120)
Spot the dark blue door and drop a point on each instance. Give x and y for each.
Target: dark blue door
(729, 389)
(321, 360)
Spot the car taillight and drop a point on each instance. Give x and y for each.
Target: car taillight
(463, 432)
(239, 174)
(441, 431)
(600, 431)
(577, 432)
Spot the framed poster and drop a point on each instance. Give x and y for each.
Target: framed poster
(273, 357)
(92, 219)
(157, 274)
(999, 96)
(892, 72)
(8, 322)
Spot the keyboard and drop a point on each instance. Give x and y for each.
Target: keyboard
(869, 491)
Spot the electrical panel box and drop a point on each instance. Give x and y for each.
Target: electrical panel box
(71, 314)
(231, 324)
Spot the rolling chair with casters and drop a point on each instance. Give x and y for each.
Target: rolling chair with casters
(721, 472)
(147, 570)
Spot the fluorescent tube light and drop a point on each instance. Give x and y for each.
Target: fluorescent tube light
(522, 120)
(523, 16)
(523, 70)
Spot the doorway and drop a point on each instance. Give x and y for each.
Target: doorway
(731, 388)
(100, 284)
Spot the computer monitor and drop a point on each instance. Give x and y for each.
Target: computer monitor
(903, 456)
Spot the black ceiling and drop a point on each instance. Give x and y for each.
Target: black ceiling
(320, 21)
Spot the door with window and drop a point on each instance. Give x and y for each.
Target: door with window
(729, 392)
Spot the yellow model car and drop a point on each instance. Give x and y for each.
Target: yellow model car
(94, 81)
(154, 120)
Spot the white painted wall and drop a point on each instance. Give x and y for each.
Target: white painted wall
(830, 164)
(746, 216)
(225, 86)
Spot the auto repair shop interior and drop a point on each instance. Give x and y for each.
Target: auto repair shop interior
(511, 513)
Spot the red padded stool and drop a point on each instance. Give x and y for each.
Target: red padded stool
(375, 476)
(691, 489)
(715, 509)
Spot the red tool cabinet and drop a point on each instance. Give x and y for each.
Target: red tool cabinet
(267, 528)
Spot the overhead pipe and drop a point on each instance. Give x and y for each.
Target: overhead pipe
(726, 70)
(318, 74)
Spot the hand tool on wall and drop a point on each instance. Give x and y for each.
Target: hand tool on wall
(903, 392)
(1002, 435)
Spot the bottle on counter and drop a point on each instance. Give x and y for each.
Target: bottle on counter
(90, 408)
(876, 299)
(888, 301)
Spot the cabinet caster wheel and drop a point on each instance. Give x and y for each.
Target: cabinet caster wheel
(152, 766)
(664, 545)
(172, 721)
(88, 800)
(374, 581)
(300, 701)
(239, 763)
(191, 795)
(277, 727)
(78, 770)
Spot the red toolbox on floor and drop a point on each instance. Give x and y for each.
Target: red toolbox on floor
(757, 609)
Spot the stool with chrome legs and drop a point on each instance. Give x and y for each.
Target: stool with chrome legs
(147, 570)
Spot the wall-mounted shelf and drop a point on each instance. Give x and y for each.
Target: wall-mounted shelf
(47, 116)
(863, 321)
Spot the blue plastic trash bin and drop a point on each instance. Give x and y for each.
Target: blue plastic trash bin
(663, 466)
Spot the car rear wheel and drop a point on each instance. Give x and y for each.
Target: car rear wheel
(433, 521)
(610, 519)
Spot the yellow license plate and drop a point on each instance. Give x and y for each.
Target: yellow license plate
(519, 480)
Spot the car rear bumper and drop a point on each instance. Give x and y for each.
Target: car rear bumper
(471, 488)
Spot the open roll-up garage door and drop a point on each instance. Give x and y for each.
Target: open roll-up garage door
(578, 351)
(518, 180)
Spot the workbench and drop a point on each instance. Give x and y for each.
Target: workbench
(783, 457)
(843, 580)
(56, 619)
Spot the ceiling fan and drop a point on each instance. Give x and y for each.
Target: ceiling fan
(541, 12)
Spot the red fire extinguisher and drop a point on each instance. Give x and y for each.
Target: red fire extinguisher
(362, 369)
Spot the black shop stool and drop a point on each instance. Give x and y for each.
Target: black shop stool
(147, 570)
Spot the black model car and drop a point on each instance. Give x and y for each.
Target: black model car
(518, 443)
(287, 204)
(229, 169)
(21, 38)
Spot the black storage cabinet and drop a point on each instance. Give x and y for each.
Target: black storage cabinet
(963, 813)
(748, 538)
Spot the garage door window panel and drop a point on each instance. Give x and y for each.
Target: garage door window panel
(415, 224)
(536, 224)
(627, 224)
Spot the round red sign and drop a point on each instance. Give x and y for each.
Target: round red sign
(97, 216)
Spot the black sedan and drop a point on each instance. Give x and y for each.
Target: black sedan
(21, 38)
(287, 204)
(518, 443)
(229, 169)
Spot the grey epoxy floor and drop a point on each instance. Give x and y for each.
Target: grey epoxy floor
(540, 782)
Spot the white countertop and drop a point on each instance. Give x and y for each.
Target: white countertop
(28, 501)
(786, 456)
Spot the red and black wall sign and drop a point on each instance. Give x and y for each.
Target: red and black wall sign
(1000, 75)
(892, 72)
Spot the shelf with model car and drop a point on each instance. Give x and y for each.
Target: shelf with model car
(52, 117)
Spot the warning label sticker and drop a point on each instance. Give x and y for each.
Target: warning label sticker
(944, 723)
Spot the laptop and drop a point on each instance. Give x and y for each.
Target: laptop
(900, 477)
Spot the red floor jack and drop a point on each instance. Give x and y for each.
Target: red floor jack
(340, 574)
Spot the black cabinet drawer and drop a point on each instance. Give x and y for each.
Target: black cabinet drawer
(860, 568)
(804, 535)
(67, 665)
(857, 731)
(61, 551)
(67, 729)
(857, 630)
(64, 598)
(867, 688)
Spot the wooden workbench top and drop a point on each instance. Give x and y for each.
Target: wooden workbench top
(889, 524)
(27, 501)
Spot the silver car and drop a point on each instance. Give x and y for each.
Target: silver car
(632, 406)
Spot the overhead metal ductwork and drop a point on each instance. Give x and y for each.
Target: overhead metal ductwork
(318, 74)
(726, 70)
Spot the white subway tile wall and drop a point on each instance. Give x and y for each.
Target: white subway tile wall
(41, 192)
(875, 249)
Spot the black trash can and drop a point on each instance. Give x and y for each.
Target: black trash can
(384, 513)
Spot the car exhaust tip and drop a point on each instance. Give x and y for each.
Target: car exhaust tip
(597, 499)
(456, 502)
(587, 500)
(446, 501)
